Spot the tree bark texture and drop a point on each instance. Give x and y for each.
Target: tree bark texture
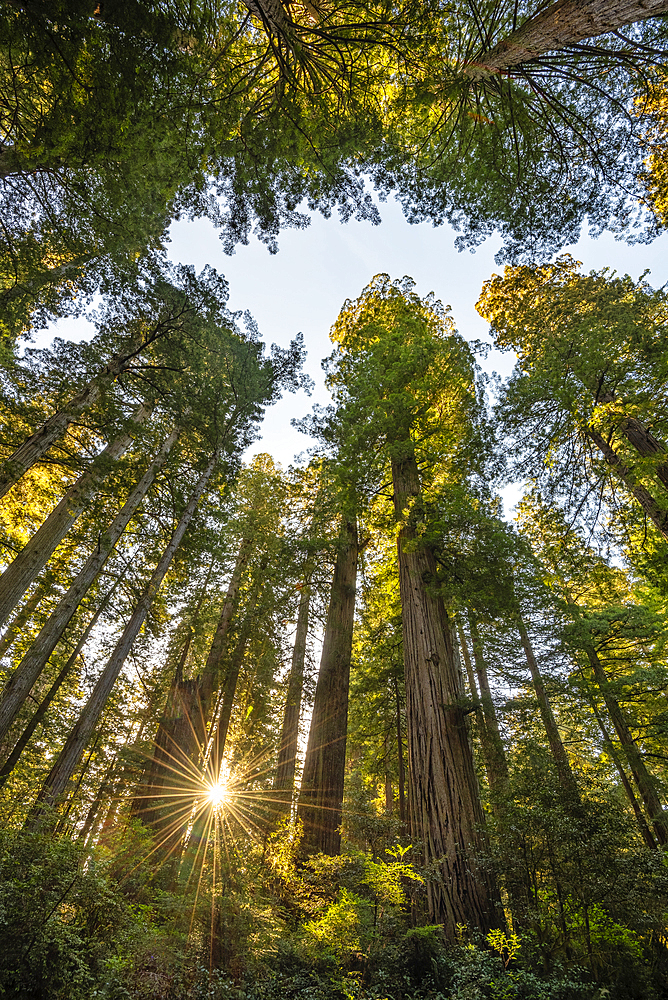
(646, 445)
(446, 813)
(53, 429)
(71, 754)
(641, 775)
(284, 781)
(643, 496)
(321, 794)
(34, 556)
(559, 755)
(564, 23)
(19, 686)
(39, 715)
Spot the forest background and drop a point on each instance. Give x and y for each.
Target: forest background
(478, 705)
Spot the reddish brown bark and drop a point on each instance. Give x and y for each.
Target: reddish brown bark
(563, 23)
(321, 792)
(643, 496)
(446, 813)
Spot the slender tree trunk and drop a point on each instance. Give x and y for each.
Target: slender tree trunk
(32, 559)
(559, 755)
(284, 782)
(52, 429)
(446, 813)
(321, 794)
(232, 676)
(495, 754)
(645, 831)
(39, 715)
(643, 496)
(70, 755)
(211, 674)
(641, 775)
(400, 755)
(37, 656)
(23, 616)
(563, 23)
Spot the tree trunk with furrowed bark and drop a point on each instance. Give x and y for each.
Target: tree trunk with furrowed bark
(321, 793)
(564, 23)
(658, 516)
(446, 813)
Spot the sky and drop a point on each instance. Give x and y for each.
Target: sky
(304, 285)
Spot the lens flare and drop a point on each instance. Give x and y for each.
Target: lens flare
(216, 794)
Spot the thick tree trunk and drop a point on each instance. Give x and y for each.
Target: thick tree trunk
(495, 754)
(34, 556)
(564, 23)
(53, 429)
(321, 793)
(284, 781)
(643, 496)
(641, 775)
(646, 445)
(446, 813)
(39, 715)
(70, 755)
(559, 755)
(19, 686)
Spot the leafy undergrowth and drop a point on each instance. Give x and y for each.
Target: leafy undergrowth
(77, 926)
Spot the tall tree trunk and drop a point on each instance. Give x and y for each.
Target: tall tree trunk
(70, 755)
(643, 496)
(39, 715)
(37, 656)
(284, 781)
(52, 429)
(645, 831)
(446, 813)
(400, 755)
(646, 445)
(321, 794)
(232, 676)
(23, 616)
(211, 674)
(559, 755)
(495, 754)
(34, 556)
(563, 23)
(641, 775)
